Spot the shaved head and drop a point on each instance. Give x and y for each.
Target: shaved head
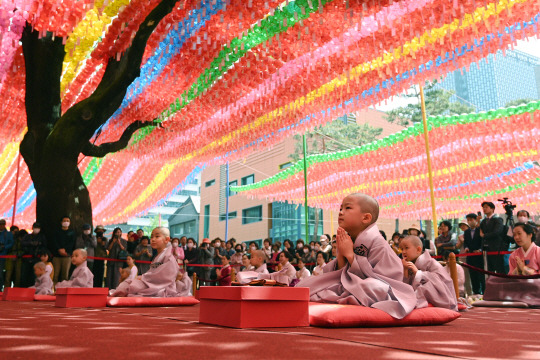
(83, 252)
(368, 204)
(414, 240)
(163, 230)
(259, 253)
(40, 265)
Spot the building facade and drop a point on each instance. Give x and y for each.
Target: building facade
(255, 220)
(494, 81)
(185, 221)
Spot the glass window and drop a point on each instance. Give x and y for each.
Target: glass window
(252, 215)
(210, 183)
(206, 232)
(232, 215)
(232, 183)
(286, 165)
(250, 179)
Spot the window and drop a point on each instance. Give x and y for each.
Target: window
(232, 215)
(186, 228)
(250, 179)
(232, 183)
(206, 232)
(252, 215)
(210, 183)
(284, 166)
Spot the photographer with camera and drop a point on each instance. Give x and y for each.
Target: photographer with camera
(492, 234)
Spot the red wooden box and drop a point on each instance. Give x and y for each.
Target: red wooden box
(254, 306)
(18, 294)
(81, 297)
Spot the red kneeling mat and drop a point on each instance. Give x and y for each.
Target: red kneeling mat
(44, 298)
(139, 301)
(335, 315)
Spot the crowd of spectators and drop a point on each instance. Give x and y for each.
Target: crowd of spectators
(128, 255)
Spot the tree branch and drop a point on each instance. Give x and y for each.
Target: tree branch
(107, 148)
(108, 96)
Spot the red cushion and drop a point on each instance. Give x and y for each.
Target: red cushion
(335, 315)
(150, 301)
(461, 307)
(44, 298)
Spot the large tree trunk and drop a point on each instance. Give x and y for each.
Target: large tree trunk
(53, 143)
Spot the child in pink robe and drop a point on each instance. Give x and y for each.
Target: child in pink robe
(160, 280)
(44, 284)
(258, 261)
(82, 276)
(430, 280)
(366, 272)
(183, 284)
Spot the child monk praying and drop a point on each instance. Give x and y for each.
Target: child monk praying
(429, 279)
(82, 276)
(366, 271)
(183, 284)
(160, 280)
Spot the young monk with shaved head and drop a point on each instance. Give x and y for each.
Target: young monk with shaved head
(82, 276)
(430, 281)
(258, 261)
(160, 280)
(366, 271)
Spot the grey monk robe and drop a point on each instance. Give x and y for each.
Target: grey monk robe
(432, 284)
(374, 279)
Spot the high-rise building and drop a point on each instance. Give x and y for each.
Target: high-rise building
(492, 82)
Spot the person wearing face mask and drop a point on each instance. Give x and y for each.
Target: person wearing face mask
(325, 244)
(88, 242)
(299, 252)
(63, 245)
(219, 253)
(32, 244)
(307, 257)
(524, 217)
(177, 251)
(236, 258)
(191, 254)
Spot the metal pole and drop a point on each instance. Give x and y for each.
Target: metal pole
(16, 189)
(306, 212)
(430, 172)
(227, 203)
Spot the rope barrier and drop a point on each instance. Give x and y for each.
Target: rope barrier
(491, 273)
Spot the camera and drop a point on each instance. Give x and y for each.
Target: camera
(508, 206)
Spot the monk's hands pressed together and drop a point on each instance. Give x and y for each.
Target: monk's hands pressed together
(345, 248)
(409, 269)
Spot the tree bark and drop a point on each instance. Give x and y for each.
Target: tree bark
(53, 143)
